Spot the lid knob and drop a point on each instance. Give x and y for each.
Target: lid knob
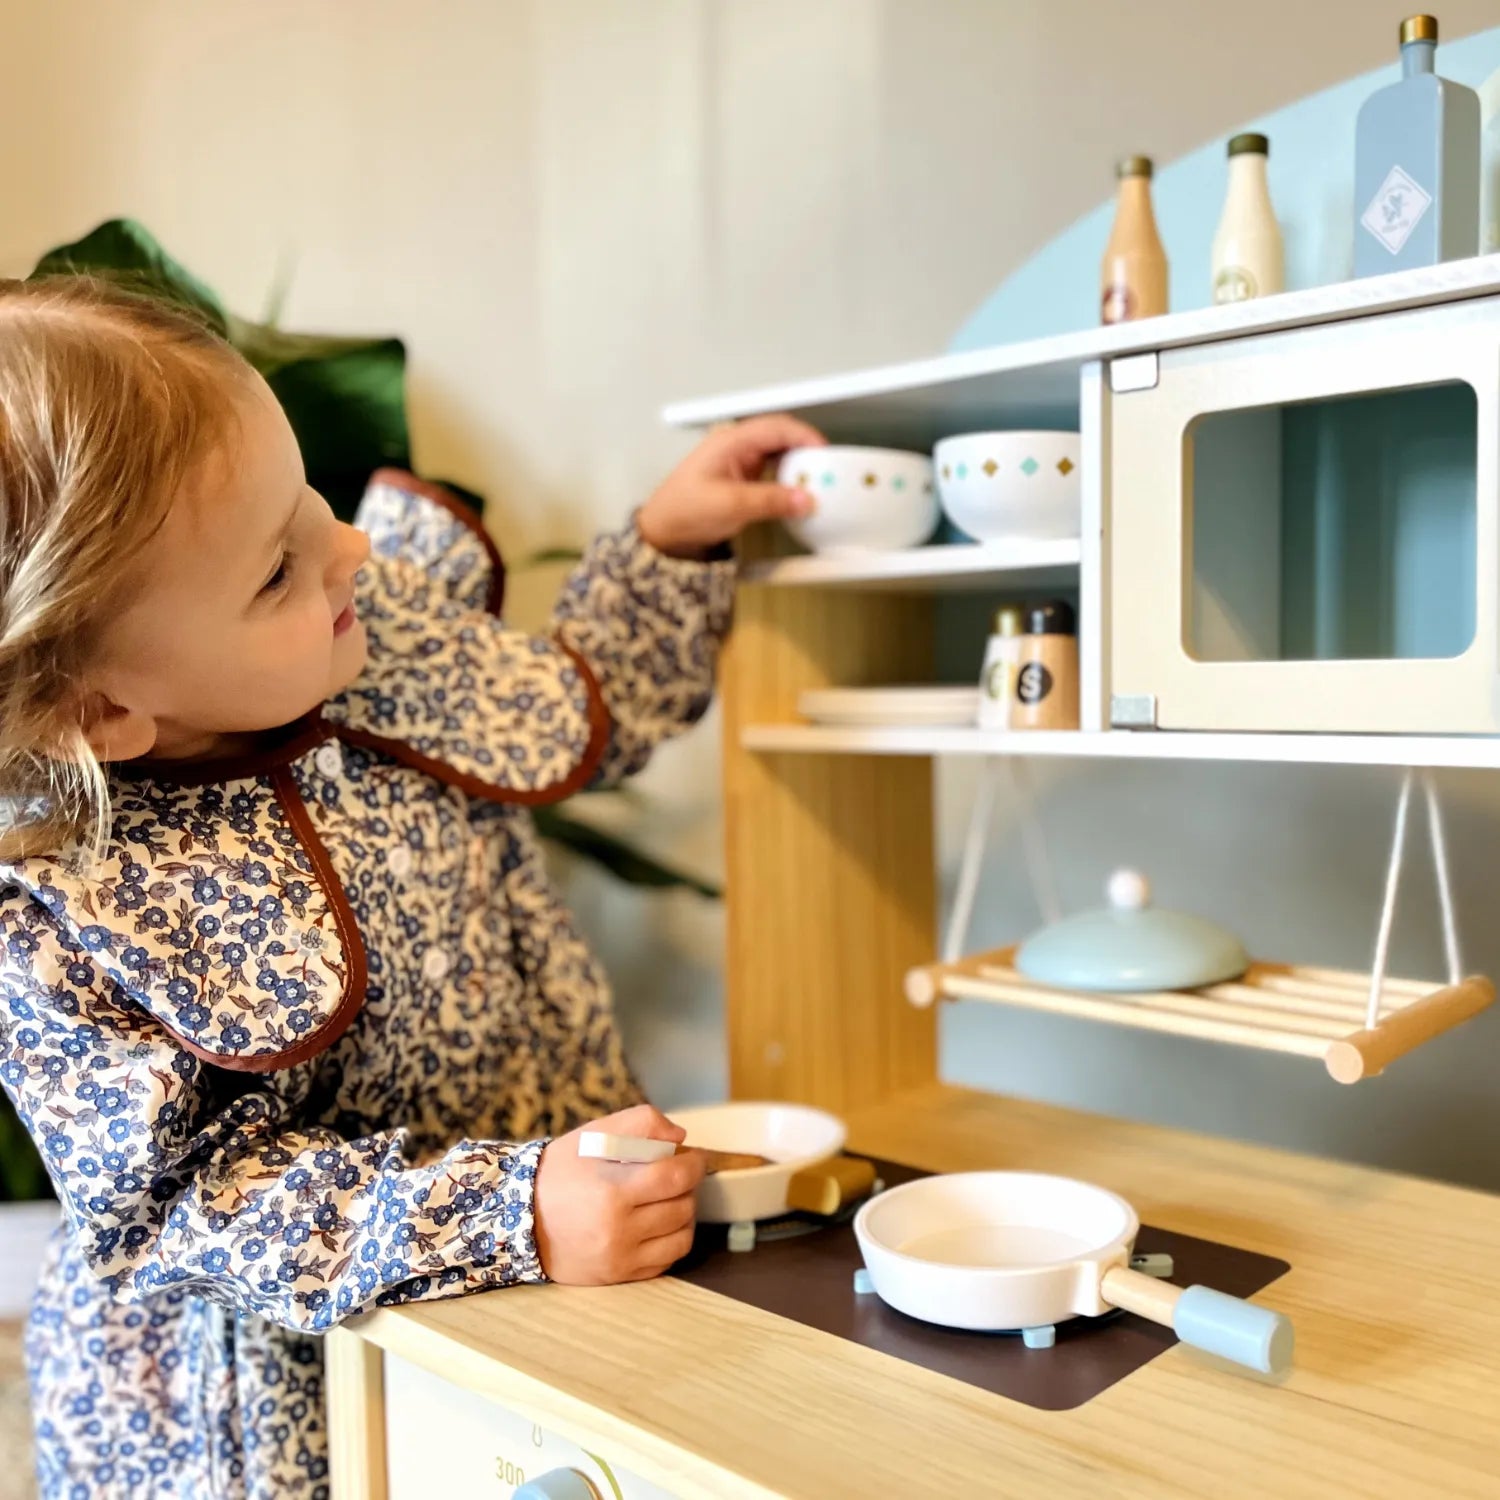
(1128, 890)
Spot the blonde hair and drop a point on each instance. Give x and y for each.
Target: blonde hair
(108, 398)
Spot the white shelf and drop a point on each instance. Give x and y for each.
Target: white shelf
(1037, 564)
(914, 404)
(1474, 752)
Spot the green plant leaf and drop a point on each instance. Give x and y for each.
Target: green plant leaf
(616, 856)
(23, 1178)
(346, 401)
(127, 252)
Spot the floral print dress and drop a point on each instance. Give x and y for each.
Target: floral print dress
(294, 1050)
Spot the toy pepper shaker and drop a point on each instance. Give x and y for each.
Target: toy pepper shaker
(1047, 675)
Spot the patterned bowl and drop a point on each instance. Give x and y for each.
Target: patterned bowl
(997, 485)
(869, 499)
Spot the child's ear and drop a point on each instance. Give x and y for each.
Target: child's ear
(114, 732)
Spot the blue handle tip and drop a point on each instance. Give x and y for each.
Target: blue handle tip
(1234, 1329)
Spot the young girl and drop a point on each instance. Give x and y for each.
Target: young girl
(286, 998)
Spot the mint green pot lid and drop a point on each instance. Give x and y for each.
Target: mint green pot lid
(1129, 947)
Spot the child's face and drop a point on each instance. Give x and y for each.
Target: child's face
(244, 618)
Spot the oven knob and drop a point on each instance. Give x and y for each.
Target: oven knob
(557, 1484)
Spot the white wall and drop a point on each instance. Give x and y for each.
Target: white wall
(574, 210)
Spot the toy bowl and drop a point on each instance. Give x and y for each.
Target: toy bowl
(868, 499)
(999, 485)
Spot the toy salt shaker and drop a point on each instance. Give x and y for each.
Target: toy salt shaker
(1047, 679)
(1002, 659)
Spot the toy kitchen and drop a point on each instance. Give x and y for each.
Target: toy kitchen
(920, 1289)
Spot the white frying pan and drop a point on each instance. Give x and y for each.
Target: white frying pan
(792, 1137)
(1018, 1250)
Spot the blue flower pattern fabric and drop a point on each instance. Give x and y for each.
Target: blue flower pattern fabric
(294, 1051)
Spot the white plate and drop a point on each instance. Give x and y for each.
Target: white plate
(894, 705)
(792, 1136)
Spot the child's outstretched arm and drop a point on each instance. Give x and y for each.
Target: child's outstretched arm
(174, 1177)
(649, 606)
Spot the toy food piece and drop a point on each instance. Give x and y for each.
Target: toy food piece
(1130, 948)
(728, 1161)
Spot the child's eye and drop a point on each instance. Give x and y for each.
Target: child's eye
(278, 579)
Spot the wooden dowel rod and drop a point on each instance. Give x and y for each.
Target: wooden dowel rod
(1145, 1296)
(1366, 1053)
(1295, 984)
(1343, 978)
(925, 984)
(1092, 1008)
(1185, 1003)
(1249, 994)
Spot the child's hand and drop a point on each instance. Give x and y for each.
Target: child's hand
(600, 1222)
(716, 491)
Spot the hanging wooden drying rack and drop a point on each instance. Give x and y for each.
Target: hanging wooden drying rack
(1356, 1023)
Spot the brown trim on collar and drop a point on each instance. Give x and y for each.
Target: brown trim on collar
(282, 748)
(356, 972)
(600, 724)
(401, 479)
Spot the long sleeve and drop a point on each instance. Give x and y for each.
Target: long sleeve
(177, 1174)
(650, 628)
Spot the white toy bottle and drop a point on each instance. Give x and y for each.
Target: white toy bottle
(1248, 259)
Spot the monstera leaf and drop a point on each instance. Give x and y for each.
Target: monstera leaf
(345, 397)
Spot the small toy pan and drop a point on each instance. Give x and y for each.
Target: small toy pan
(1019, 1251)
(782, 1139)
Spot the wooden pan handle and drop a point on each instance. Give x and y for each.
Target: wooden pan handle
(1230, 1327)
(1365, 1053)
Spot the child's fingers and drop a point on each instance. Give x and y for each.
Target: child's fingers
(750, 500)
(660, 1181)
(752, 441)
(659, 1255)
(643, 1120)
(652, 1220)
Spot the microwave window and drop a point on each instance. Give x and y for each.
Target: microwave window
(1333, 530)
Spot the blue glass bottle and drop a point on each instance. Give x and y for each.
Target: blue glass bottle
(1416, 165)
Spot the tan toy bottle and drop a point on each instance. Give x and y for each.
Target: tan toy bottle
(1133, 278)
(1248, 260)
(1047, 677)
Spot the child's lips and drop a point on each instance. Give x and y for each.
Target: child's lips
(345, 620)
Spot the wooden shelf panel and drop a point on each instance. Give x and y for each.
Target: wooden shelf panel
(922, 570)
(1475, 752)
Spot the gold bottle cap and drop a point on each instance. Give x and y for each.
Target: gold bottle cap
(1134, 166)
(1419, 29)
(1249, 145)
(1008, 620)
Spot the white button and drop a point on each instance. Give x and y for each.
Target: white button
(329, 759)
(435, 966)
(400, 861)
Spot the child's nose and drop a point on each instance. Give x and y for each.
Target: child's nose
(353, 549)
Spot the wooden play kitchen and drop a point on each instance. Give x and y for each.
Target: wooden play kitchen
(1223, 611)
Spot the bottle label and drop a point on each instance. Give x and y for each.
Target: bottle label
(997, 680)
(1396, 209)
(1033, 684)
(1118, 306)
(1235, 284)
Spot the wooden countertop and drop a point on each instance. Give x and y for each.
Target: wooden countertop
(1395, 1391)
